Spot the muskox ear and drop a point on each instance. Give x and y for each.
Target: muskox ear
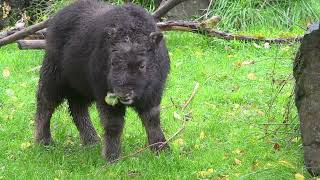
(156, 37)
(110, 32)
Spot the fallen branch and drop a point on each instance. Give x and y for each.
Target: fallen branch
(194, 27)
(23, 33)
(31, 44)
(165, 8)
(197, 27)
(195, 89)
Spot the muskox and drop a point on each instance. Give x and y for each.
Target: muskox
(93, 49)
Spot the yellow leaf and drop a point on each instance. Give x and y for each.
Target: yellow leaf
(252, 76)
(202, 135)
(179, 141)
(237, 151)
(237, 161)
(238, 63)
(210, 170)
(286, 163)
(6, 72)
(202, 173)
(299, 176)
(260, 113)
(25, 145)
(244, 63)
(230, 56)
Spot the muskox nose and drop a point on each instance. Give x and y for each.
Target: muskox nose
(127, 98)
(125, 95)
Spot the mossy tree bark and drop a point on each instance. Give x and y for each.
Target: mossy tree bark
(307, 96)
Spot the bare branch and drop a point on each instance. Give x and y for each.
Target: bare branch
(165, 8)
(23, 33)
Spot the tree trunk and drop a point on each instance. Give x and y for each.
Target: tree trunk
(307, 97)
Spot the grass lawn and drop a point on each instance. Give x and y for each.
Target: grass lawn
(236, 129)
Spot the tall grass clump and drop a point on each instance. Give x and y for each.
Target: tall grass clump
(241, 15)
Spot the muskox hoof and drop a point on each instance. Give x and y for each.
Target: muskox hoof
(110, 156)
(160, 146)
(44, 140)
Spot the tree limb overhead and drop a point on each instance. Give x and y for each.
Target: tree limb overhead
(165, 8)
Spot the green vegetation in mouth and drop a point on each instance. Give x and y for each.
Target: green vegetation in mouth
(111, 99)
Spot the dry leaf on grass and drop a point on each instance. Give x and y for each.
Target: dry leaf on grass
(202, 135)
(237, 161)
(252, 76)
(6, 72)
(25, 145)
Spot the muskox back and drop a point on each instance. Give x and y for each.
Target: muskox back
(78, 35)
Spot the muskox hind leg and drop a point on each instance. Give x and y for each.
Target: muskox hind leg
(81, 118)
(48, 99)
(44, 112)
(151, 121)
(112, 119)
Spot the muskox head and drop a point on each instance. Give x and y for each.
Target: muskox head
(131, 67)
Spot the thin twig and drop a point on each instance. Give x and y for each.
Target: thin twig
(175, 134)
(196, 87)
(136, 152)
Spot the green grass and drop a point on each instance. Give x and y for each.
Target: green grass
(226, 132)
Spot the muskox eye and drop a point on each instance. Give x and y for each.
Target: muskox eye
(142, 66)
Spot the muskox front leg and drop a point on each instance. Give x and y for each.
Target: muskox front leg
(112, 119)
(151, 121)
(81, 118)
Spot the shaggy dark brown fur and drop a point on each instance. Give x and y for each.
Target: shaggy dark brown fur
(94, 48)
